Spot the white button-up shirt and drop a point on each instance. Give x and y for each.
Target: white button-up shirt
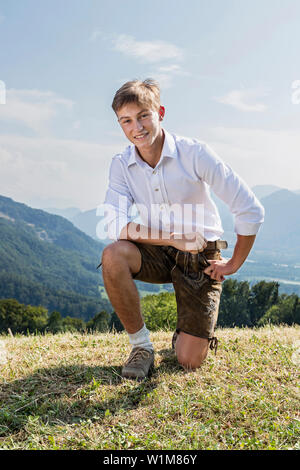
(175, 195)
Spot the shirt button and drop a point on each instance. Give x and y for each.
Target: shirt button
(154, 172)
(156, 189)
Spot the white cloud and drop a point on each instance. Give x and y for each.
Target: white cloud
(34, 108)
(164, 79)
(62, 173)
(173, 68)
(44, 168)
(260, 156)
(243, 100)
(54, 171)
(151, 52)
(95, 35)
(98, 33)
(146, 51)
(165, 74)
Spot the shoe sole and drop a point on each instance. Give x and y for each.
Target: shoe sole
(140, 379)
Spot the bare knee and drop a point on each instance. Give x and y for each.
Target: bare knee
(191, 351)
(116, 250)
(189, 361)
(116, 254)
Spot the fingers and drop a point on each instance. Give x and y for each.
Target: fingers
(213, 271)
(217, 277)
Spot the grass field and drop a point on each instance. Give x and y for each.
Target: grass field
(65, 392)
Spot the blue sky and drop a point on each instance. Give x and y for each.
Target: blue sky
(226, 71)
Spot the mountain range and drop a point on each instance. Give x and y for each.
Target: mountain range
(45, 259)
(276, 252)
(48, 260)
(279, 236)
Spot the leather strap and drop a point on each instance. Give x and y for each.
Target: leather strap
(217, 245)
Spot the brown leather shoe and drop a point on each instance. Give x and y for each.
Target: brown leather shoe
(139, 364)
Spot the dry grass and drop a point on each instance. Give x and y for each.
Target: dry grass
(65, 392)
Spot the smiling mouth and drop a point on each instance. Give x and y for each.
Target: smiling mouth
(141, 137)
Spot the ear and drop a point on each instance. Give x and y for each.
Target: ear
(161, 112)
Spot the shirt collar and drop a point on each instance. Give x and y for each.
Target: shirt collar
(169, 149)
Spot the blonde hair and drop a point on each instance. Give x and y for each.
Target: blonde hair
(143, 93)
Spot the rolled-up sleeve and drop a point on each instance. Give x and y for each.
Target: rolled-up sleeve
(230, 188)
(118, 201)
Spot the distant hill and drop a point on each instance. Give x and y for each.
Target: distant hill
(281, 230)
(262, 191)
(87, 222)
(278, 239)
(42, 253)
(45, 253)
(68, 213)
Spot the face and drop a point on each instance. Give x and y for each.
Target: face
(141, 125)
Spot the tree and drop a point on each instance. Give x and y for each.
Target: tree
(55, 322)
(287, 311)
(73, 324)
(160, 311)
(35, 319)
(263, 295)
(115, 323)
(21, 318)
(100, 322)
(11, 315)
(234, 304)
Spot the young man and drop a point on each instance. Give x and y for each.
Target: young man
(164, 174)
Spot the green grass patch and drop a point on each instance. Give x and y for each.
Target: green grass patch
(65, 391)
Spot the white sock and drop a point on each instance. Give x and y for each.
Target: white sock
(141, 338)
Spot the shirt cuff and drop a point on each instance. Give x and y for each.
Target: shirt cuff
(246, 228)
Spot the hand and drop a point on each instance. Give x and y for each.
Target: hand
(219, 268)
(192, 242)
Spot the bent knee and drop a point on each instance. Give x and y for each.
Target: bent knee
(189, 361)
(115, 250)
(191, 351)
(121, 250)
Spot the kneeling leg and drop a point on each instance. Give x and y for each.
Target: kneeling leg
(191, 350)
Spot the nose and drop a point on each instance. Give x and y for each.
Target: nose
(138, 126)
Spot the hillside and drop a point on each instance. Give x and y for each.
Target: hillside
(279, 233)
(45, 260)
(281, 230)
(69, 213)
(276, 252)
(87, 222)
(65, 392)
(40, 252)
(48, 227)
(262, 191)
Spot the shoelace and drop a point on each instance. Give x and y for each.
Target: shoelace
(214, 344)
(136, 355)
